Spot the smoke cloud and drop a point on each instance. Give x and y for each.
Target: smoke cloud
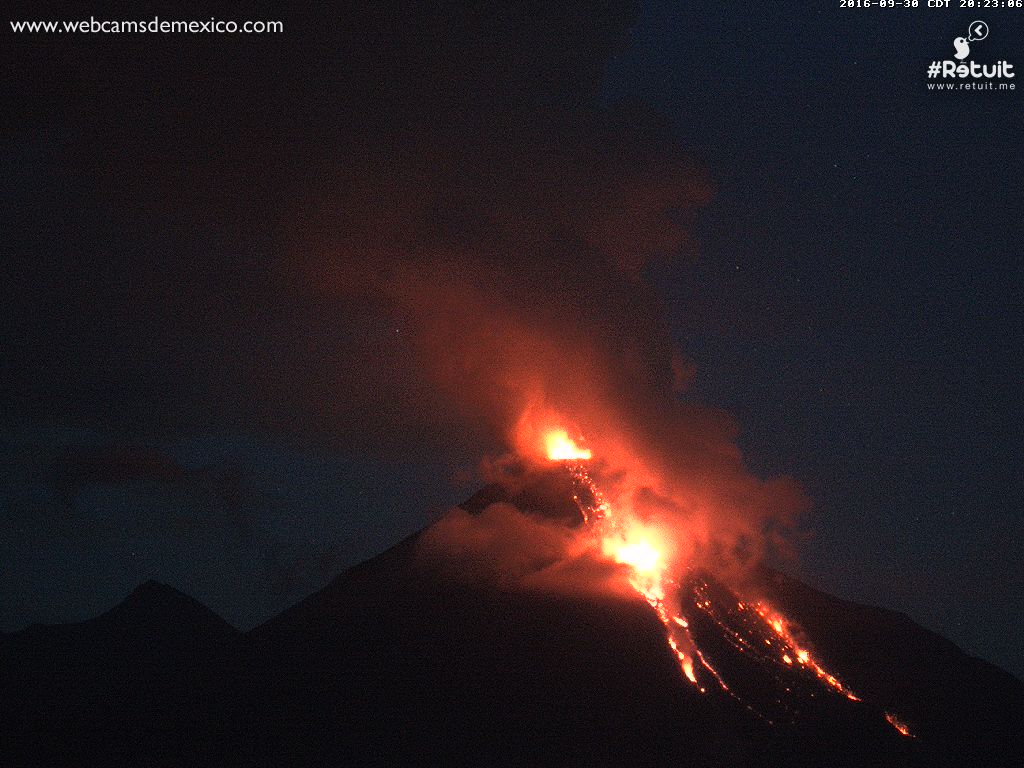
(525, 297)
(505, 548)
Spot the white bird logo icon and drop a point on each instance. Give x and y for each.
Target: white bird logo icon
(963, 50)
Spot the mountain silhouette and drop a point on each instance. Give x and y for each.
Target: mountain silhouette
(395, 663)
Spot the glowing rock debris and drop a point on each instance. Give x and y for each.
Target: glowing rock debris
(639, 548)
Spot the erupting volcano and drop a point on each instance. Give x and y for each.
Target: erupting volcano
(545, 621)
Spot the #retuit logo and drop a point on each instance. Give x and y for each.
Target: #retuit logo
(960, 74)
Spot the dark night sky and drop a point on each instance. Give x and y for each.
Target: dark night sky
(176, 403)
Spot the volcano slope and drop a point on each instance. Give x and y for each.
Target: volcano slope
(397, 663)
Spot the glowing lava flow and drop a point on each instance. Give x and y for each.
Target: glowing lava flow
(898, 724)
(802, 656)
(640, 548)
(648, 578)
(634, 547)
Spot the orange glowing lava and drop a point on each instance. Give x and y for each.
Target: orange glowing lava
(640, 555)
(791, 647)
(561, 447)
(898, 724)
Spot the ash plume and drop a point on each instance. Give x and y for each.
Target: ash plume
(526, 299)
